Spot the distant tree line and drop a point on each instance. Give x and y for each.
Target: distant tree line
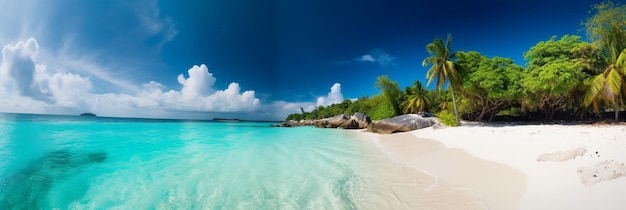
(564, 78)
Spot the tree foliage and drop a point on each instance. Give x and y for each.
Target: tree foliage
(607, 28)
(322, 111)
(490, 83)
(391, 92)
(553, 73)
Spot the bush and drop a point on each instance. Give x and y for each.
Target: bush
(296, 117)
(447, 118)
(382, 111)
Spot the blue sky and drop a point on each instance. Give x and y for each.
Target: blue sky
(252, 59)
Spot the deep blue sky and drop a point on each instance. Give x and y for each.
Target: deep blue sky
(295, 50)
(285, 51)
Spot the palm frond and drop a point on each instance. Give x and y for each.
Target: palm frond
(614, 81)
(621, 61)
(429, 61)
(595, 92)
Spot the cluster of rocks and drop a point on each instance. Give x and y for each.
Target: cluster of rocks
(345, 121)
(400, 123)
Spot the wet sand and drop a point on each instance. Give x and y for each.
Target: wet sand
(455, 176)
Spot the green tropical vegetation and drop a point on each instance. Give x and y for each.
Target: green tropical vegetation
(564, 78)
(391, 93)
(491, 84)
(416, 99)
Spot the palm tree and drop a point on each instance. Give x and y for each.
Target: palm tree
(442, 67)
(416, 99)
(607, 29)
(443, 105)
(610, 85)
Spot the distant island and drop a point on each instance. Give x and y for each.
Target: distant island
(226, 119)
(88, 114)
(217, 119)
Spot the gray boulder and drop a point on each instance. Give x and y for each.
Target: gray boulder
(337, 121)
(290, 123)
(331, 122)
(320, 123)
(402, 123)
(357, 121)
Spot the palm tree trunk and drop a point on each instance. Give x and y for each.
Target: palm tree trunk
(493, 114)
(616, 111)
(456, 112)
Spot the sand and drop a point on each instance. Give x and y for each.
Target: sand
(519, 166)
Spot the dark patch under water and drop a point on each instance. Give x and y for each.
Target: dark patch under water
(27, 188)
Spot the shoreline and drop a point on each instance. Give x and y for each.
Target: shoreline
(520, 166)
(399, 186)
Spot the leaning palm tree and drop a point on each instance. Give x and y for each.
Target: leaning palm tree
(610, 85)
(416, 99)
(442, 67)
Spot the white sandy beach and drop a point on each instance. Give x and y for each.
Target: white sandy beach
(521, 166)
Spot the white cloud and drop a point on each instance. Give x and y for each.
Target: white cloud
(333, 97)
(200, 82)
(379, 56)
(68, 90)
(367, 58)
(28, 86)
(279, 110)
(32, 80)
(197, 95)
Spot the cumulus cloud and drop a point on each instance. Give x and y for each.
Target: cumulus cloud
(28, 86)
(279, 110)
(20, 65)
(31, 80)
(197, 94)
(200, 82)
(379, 56)
(333, 97)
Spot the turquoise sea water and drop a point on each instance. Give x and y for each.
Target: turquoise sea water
(73, 162)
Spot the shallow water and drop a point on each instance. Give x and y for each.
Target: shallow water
(72, 162)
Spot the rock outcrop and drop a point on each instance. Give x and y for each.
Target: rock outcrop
(402, 123)
(332, 122)
(357, 121)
